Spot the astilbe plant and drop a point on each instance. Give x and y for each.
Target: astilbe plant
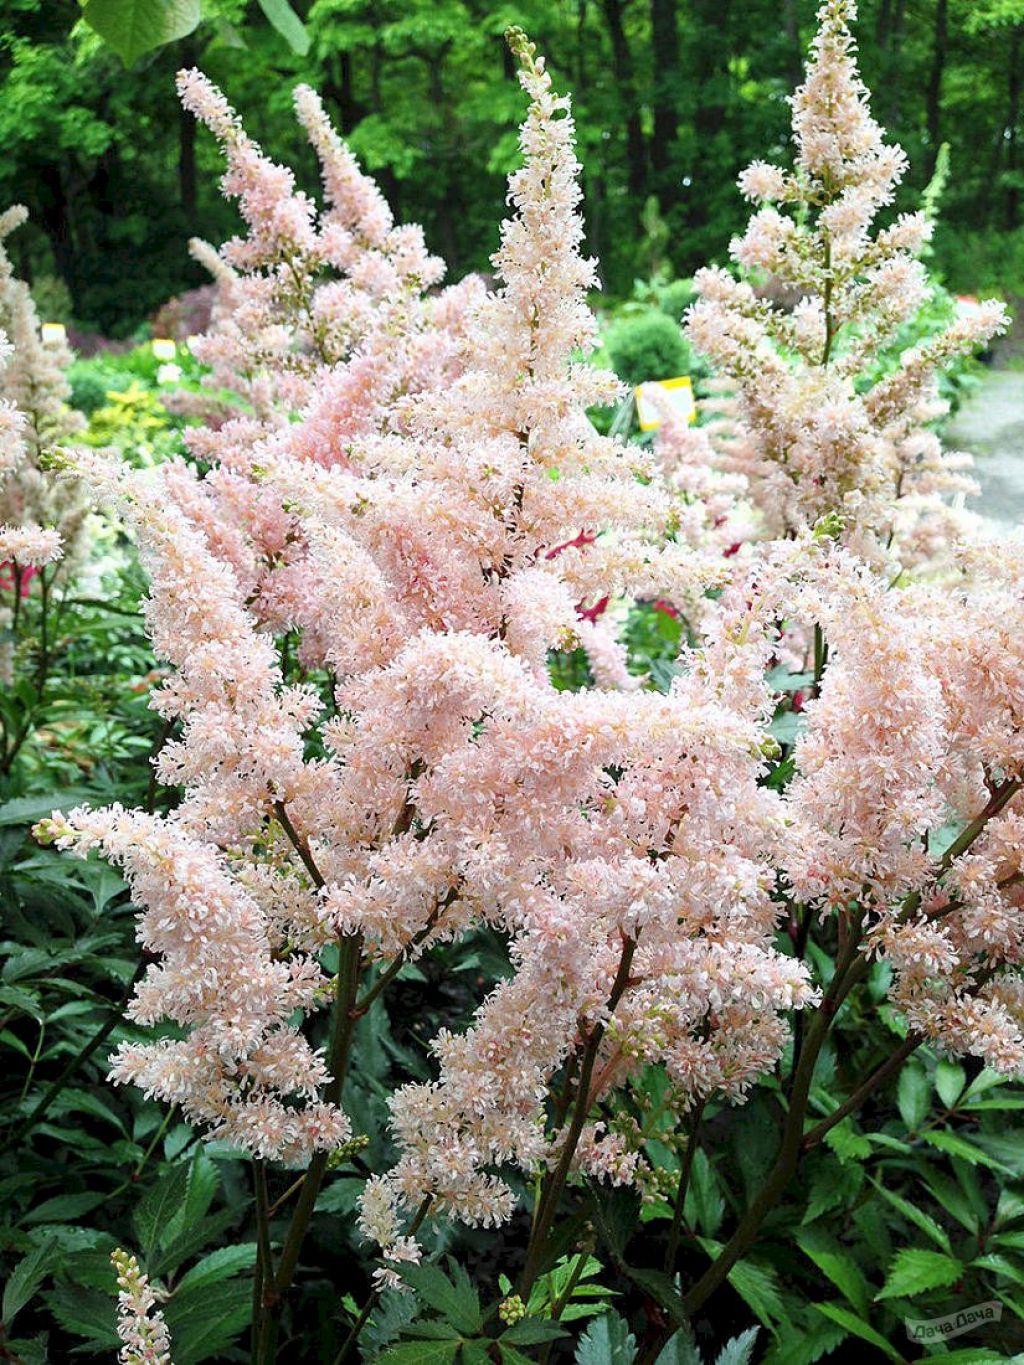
(626, 844)
(815, 434)
(43, 519)
(332, 312)
(33, 382)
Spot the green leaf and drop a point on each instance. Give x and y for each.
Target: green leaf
(951, 1197)
(607, 1341)
(958, 1146)
(739, 1350)
(288, 24)
(531, 1331)
(422, 1353)
(432, 1328)
(837, 1265)
(457, 1301)
(758, 1289)
(917, 1216)
(395, 1310)
(705, 1205)
(88, 1313)
(25, 1279)
(680, 1350)
(132, 27)
(192, 1240)
(999, 1265)
(157, 1208)
(616, 1216)
(204, 1324)
(662, 1289)
(950, 1080)
(65, 1208)
(218, 1265)
(847, 1143)
(26, 810)
(914, 1271)
(833, 1183)
(838, 1313)
(913, 1095)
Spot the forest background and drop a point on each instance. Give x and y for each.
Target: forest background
(672, 97)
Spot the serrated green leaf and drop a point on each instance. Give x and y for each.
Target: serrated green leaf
(218, 1265)
(1000, 1265)
(740, 1350)
(915, 1270)
(64, 1208)
(202, 1324)
(433, 1329)
(834, 1183)
(852, 1323)
(951, 1197)
(607, 1341)
(956, 1146)
(157, 1209)
(86, 1313)
(26, 1278)
(758, 1288)
(531, 1331)
(837, 1265)
(847, 1143)
(457, 1301)
(132, 27)
(917, 1216)
(27, 810)
(422, 1353)
(705, 1205)
(680, 1350)
(662, 1289)
(192, 1240)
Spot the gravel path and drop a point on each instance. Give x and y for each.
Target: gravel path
(991, 426)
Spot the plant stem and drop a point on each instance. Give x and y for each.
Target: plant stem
(300, 845)
(391, 971)
(349, 1344)
(263, 1325)
(551, 1191)
(849, 969)
(881, 1073)
(151, 1148)
(685, 1171)
(560, 1304)
(820, 658)
(345, 1019)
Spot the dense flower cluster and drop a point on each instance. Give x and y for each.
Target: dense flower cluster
(40, 517)
(429, 545)
(328, 313)
(816, 436)
(140, 1324)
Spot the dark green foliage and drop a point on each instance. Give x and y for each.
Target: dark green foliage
(647, 345)
(672, 98)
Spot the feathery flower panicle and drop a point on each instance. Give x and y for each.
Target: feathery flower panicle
(918, 725)
(140, 1324)
(625, 844)
(815, 437)
(42, 518)
(321, 312)
(444, 553)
